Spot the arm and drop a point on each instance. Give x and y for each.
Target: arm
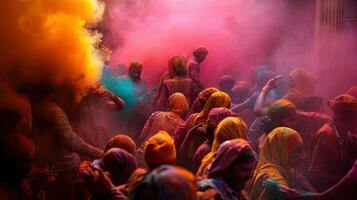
(69, 139)
(247, 104)
(259, 104)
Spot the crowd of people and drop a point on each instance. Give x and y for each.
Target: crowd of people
(180, 141)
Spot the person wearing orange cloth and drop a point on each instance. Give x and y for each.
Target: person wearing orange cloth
(193, 65)
(231, 169)
(201, 136)
(345, 189)
(334, 147)
(201, 100)
(217, 99)
(163, 121)
(166, 182)
(228, 129)
(160, 150)
(280, 155)
(122, 141)
(179, 83)
(302, 84)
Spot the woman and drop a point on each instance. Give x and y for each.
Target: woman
(201, 100)
(160, 150)
(302, 84)
(280, 155)
(214, 118)
(163, 121)
(166, 182)
(345, 189)
(218, 99)
(232, 167)
(179, 83)
(228, 129)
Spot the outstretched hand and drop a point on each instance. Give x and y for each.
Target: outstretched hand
(273, 83)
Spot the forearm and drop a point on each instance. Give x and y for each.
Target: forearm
(259, 103)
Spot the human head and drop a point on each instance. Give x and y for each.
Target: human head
(160, 150)
(177, 66)
(264, 77)
(226, 83)
(344, 108)
(135, 69)
(281, 113)
(120, 164)
(200, 54)
(228, 129)
(17, 154)
(303, 81)
(235, 162)
(215, 116)
(178, 104)
(240, 92)
(216, 100)
(123, 142)
(282, 147)
(166, 182)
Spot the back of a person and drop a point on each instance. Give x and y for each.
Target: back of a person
(162, 121)
(181, 85)
(49, 150)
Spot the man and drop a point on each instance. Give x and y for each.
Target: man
(334, 147)
(193, 65)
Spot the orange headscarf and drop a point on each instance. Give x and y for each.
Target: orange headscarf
(178, 104)
(228, 129)
(160, 150)
(273, 160)
(304, 81)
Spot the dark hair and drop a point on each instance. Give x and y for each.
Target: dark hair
(246, 155)
(267, 124)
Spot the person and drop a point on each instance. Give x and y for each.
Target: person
(302, 84)
(178, 84)
(134, 74)
(123, 142)
(201, 100)
(193, 65)
(58, 147)
(249, 103)
(95, 112)
(281, 113)
(217, 99)
(240, 92)
(352, 91)
(166, 182)
(226, 84)
(163, 121)
(159, 150)
(228, 129)
(284, 113)
(231, 169)
(344, 189)
(280, 155)
(199, 139)
(334, 147)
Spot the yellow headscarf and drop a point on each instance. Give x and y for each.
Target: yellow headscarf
(228, 129)
(273, 160)
(178, 104)
(216, 100)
